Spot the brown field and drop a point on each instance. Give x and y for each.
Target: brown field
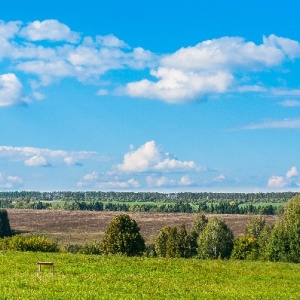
(79, 227)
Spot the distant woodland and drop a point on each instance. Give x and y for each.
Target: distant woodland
(187, 202)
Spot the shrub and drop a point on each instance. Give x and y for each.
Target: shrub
(29, 243)
(5, 229)
(245, 248)
(122, 236)
(92, 248)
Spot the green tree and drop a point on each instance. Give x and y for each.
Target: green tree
(198, 226)
(184, 242)
(255, 226)
(216, 240)
(5, 229)
(173, 243)
(284, 243)
(122, 236)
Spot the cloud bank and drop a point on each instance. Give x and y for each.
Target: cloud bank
(48, 51)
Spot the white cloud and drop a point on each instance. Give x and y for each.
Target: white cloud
(292, 172)
(102, 92)
(290, 103)
(275, 124)
(10, 182)
(151, 158)
(93, 180)
(10, 90)
(91, 176)
(209, 68)
(284, 181)
(175, 86)
(42, 156)
(129, 184)
(277, 182)
(219, 178)
(49, 30)
(36, 161)
(185, 181)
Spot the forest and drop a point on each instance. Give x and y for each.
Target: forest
(186, 202)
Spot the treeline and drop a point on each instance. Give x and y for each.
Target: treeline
(223, 207)
(190, 197)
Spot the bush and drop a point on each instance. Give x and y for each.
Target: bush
(245, 248)
(5, 229)
(92, 248)
(122, 236)
(29, 243)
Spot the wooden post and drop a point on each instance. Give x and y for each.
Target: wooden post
(45, 263)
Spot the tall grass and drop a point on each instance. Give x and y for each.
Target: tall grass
(116, 277)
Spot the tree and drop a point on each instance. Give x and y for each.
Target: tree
(5, 229)
(284, 243)
(173, 243)
(216, 240)
(198, 226)
(122, 236)
(255, 226)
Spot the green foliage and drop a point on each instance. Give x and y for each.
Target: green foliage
(284, 244)
(198, 226)
(122, 236)
(90, 248)
(28, 243)
(245, 248)
(216, 240)
(255, 226)
(173, 243)
(5, 229)
(252, 245)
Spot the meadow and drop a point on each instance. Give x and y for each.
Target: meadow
(117, 277)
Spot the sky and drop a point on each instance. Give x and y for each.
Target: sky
(167, 96)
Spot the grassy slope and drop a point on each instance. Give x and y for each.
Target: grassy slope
(115, 277)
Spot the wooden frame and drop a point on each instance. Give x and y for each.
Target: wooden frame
(45, 263)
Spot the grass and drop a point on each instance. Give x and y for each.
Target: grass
(117, 277)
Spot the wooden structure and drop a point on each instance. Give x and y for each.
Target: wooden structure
(45, 263)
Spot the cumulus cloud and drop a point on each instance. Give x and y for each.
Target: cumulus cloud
(94, 180)
(49, 50)
(149, 157)
(51, 30)
(129, 184)
(284, 181)
(277, 182)
(292, 172)
(32, 156)
(209, 68)
(36, 161)
(174, 86)
(10, 90)
(10, 182)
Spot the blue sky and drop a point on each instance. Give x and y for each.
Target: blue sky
(150, 95)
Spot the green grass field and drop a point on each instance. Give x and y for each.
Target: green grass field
(117, 277)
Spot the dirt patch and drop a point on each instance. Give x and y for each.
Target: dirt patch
(79, 227)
